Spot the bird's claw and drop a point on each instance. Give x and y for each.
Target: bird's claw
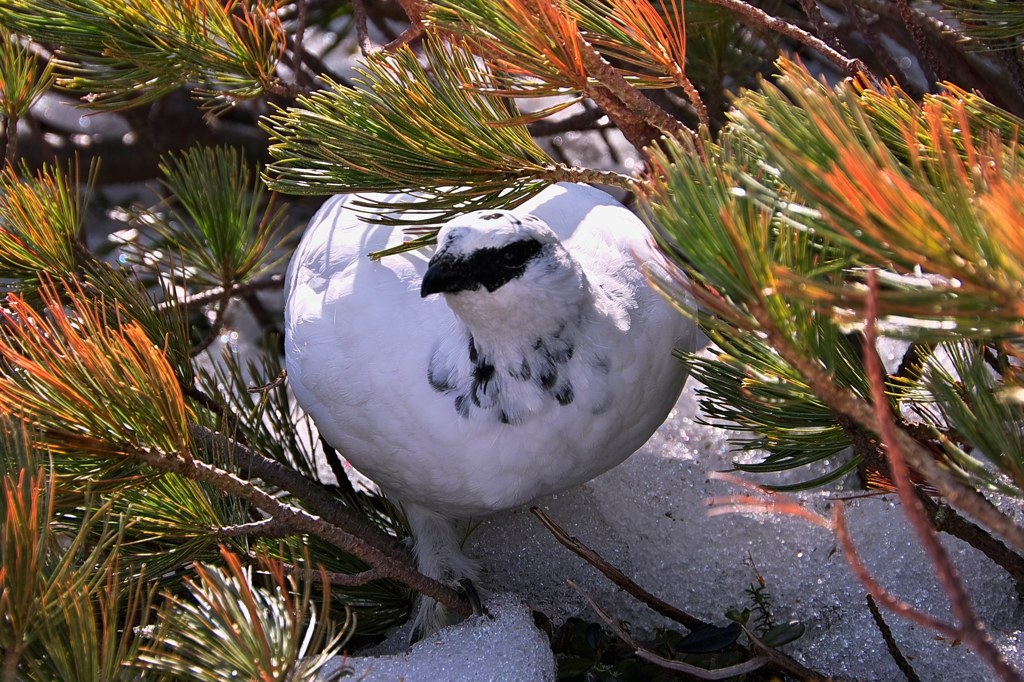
(468, 590)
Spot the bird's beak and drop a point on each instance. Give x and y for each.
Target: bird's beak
(443, 275)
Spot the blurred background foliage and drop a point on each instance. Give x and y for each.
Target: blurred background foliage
(780, 149)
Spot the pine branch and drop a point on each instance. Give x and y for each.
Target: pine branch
(314, 497)
(125, 54)
(458, 154)
(302, 522)
(971, 628)
(615, 575)
(758, 17)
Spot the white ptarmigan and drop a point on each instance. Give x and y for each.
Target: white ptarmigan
(545, 360)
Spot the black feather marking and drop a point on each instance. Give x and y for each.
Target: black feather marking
(473, 356)
(565, 394)
(523, 373)
(462, 406)
(559, 352)
(492, 216)
(439, 383)
(549, 377)
(483, 373)
(439, 376)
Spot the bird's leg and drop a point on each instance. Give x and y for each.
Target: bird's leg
(439, 556)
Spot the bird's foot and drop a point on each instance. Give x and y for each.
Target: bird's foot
(467, 589)
(431, 616)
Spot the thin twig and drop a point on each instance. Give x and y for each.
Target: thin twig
(274, 281)
(264, 528)
(365, 44)
(668, 663)
(279, 380)
(971, 628)
(890, 642)
(407, 36)
(584, 120)
(877, 591)
(759, 17)
(220, 308)
(781, 660)
(615, 575)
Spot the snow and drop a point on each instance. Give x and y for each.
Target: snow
(503, 647)
(650, 518)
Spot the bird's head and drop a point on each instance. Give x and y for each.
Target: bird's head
(497, 264)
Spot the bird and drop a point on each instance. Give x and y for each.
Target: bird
(524, 354)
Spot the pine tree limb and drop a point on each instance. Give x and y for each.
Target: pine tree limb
(312, 494)
(760, 18)
(971, 628)
(844, 401)
(303, 522)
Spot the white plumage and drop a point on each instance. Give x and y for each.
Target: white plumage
(537, 358)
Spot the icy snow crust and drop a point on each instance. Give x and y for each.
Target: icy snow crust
(649, 517)
(504, 647)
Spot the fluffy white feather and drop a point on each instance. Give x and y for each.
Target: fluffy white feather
(545, 360)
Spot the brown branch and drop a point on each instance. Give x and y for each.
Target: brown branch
(781, 660)
(668, 663)
(365, 44)
(566, 173)
(883, 596)
(843, 401)
(873, 39)
(820, 26)
(615, 575)
(302, 522)
(762, 19)
(313, 495)
(640, 120)
(972, 629)
(945, 519)
(929, 62)
(343, 579)
(890, 642)
(298, 51)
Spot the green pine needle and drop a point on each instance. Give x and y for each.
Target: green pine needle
(409, 128)
(40, 219)
(120, 54)
(224, 238)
